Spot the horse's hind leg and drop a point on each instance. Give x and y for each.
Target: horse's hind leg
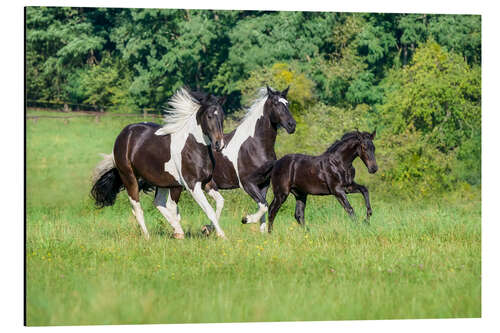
(256, 193)
(300, 206)
(130, 182)
(263, 192)
(166, 202)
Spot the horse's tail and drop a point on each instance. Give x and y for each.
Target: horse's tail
(106, 182)
(263, 173)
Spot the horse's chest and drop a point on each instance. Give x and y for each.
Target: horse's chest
(190, 161)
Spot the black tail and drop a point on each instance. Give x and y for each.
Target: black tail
(106, 188)
(262, 174)
(107, 182)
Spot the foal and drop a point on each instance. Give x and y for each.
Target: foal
(330, 173)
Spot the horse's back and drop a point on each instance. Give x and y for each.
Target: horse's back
(138, 148)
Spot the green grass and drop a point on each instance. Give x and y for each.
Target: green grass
(417, 259)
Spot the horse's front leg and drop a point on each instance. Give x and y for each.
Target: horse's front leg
(342, 198)
(200, 198)
(357, 188)
(212, 191)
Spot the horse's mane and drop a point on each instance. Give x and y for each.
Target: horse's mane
(182, 106)
(257, 105)
(346, 137)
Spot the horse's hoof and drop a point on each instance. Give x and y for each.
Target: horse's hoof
(222, 236)
(178, 235)
(205, 230)
(244, 220)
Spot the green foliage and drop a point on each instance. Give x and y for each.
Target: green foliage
(280, 76)
(413, 167)
(437, 94)
(412, 75)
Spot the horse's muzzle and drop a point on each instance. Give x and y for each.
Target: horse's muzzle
(219, 145)
(290, 127)
(373, 169)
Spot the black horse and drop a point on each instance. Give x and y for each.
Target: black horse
(330, 173)
(175, 156)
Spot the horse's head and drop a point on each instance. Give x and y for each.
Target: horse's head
(210, 117)
(366, 150)
(277, 106)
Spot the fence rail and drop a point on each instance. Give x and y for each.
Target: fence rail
(73, 107)
(86, 113)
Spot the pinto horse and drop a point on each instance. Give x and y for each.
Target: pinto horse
(175, 156)
(249, 147)
(330, 173)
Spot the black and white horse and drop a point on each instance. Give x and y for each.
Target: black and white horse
(249, 147)
(170, 158)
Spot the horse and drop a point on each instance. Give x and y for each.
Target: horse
(171, 157)
(329, 173)
(247, 148)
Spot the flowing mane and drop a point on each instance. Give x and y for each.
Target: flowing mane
(257, 108)
(182, 106)
(343, 139)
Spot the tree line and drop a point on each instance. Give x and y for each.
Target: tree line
(413, 76)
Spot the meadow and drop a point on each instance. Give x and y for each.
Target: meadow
(417, 259)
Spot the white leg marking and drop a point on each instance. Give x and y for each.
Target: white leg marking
(219, 202)
(200, 198)
(168, 208)
(253, 218)
(139, 216)
(263, 227)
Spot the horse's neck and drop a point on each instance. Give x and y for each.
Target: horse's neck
(346, 154)
(191, 128)
(264, 134)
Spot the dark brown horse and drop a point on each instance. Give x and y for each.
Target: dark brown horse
(330, 173)
(175, 156)
(249, 147)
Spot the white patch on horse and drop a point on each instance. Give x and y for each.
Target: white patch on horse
(200, 198)
(180, 123)
(168, 208)
(254, 218)
(219, 202)
(245, 130)
(139, 216)
(282, 100)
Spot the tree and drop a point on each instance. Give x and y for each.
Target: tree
(437, 94)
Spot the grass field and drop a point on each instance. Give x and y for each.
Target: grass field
(417, 259)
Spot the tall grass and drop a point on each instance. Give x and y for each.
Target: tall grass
(417, 259)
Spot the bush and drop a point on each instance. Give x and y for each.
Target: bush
(279, 76)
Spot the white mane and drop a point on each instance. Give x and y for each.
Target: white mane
(257, 108)
(182, 107)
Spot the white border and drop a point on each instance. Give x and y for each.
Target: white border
(12, 161)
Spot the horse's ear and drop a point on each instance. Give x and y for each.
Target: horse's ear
(270, 92)
(222, 100)
(197, 95)
(372, 136)
(358, 134)
(206, 98)
(285, 92)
